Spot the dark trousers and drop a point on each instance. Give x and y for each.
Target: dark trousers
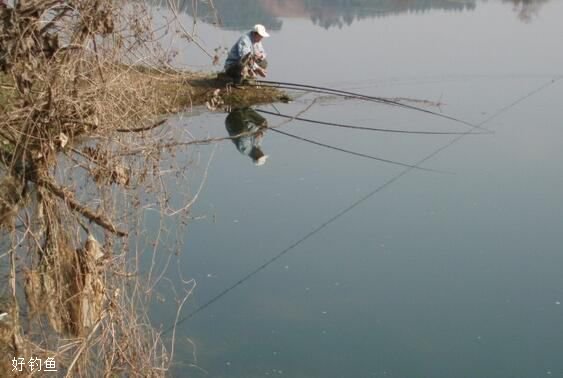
(235, 71)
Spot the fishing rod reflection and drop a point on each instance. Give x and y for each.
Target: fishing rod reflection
(247, 128)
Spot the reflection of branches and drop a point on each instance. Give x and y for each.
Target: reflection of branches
(75, 111)
(190, 203)
(188, 292)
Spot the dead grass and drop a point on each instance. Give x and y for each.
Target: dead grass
(169, 91)
(179, 91)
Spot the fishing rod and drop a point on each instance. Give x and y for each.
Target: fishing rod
(342, 213)
(355, 153)
(342, 93)
(313, 121)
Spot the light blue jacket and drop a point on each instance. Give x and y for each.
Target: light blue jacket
(243, 46)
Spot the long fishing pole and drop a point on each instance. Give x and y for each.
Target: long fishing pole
(342, 93)
(343, 212)
(355, 153)
(342, 125)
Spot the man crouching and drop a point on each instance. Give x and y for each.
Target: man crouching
(247, 57)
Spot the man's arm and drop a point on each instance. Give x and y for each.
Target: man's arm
(259, 51)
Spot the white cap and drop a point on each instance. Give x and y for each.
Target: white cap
(261, 30)
(261, 160)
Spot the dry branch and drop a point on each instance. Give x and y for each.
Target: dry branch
(141, 129)
(66, 80)
(98, 218)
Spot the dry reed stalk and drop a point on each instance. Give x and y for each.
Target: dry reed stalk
(81, 144)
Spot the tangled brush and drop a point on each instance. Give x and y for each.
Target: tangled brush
(77, 147)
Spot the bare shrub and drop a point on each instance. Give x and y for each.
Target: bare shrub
(81, 147)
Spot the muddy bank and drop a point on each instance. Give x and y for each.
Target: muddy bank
(175, 91)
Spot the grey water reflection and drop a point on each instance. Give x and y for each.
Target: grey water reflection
(239, 15)
(527, 9)
(435, 275)
(247, 129)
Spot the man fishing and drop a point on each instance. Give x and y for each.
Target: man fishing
(247, 57)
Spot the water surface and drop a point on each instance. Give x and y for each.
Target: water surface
(434, 275)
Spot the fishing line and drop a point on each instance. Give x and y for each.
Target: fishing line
(342, 93)
(437, 79)
(353, 152)
(513, 104)
(355, 127)
(350, 208)
(275, 129)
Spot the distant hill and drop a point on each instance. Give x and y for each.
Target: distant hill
(242, 14)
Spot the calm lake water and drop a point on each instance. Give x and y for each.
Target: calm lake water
(455, 274)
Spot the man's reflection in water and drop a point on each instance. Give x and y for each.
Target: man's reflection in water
(252, 126)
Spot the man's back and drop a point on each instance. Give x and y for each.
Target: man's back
(239, 50)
